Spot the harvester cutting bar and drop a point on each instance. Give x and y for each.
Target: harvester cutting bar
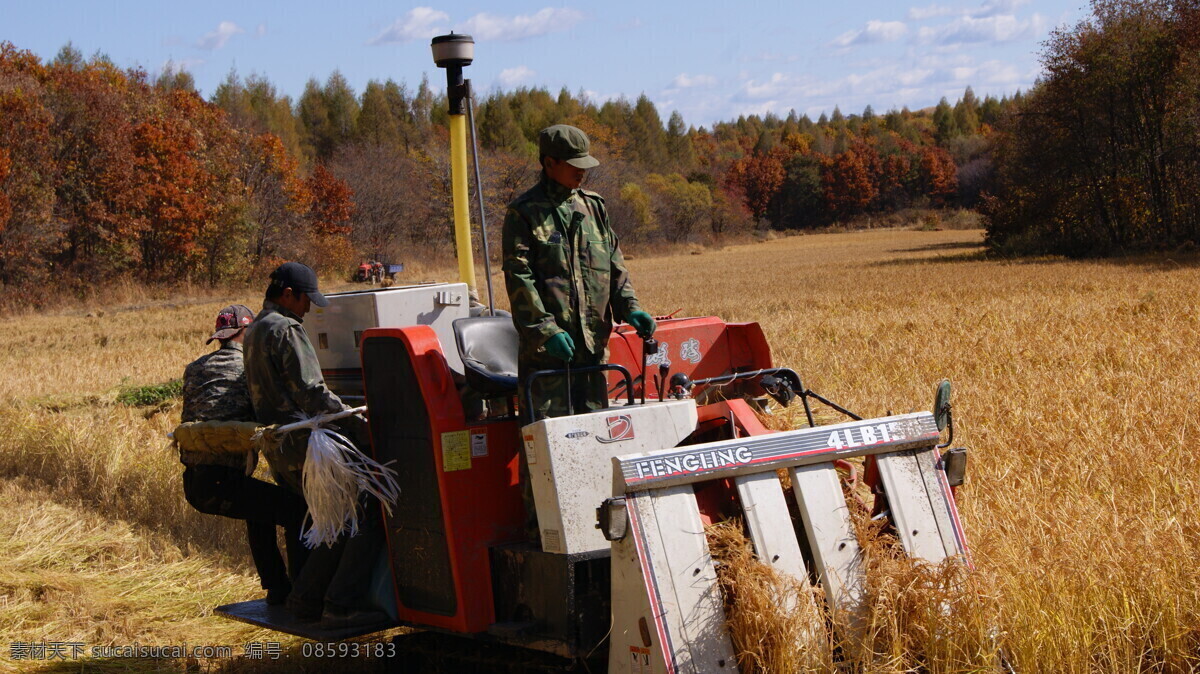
(667, 606)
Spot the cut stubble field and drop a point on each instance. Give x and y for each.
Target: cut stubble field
(1075, 390)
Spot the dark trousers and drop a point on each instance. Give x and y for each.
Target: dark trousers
(229, 492)
(339, 577)
(586, 391)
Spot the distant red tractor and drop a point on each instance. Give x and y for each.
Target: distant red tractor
(375, 272)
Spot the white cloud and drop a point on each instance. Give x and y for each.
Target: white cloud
(997, 7)
(988, 8)
(510, 77)
(768, 89)
(598, 98)
(493, 28)
(936, 60)
(757, 108)
(931, 12)
(219, 37)
(1001, 28)
(880, 87)
(875, 31)
(997, 73)
(420, 23)
(260, 30)
(685, 81)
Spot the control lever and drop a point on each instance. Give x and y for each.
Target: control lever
(649, 346)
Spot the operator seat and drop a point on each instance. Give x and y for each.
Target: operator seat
(488, 347)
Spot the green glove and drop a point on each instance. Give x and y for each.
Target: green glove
(643, 323)
(561, 346)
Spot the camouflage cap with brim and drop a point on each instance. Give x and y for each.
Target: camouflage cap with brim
(567, 143)
(232, 320)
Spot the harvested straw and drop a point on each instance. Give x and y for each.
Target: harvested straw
(770, 615)
(335, 473)
(216, 437)
(915, 616)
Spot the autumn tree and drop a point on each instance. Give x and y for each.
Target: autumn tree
(1104, 153)
(498, 129)
(939, 175)
(849, 181)
(377, 122)
(682, 206)
(29, 234)
(633, 211)
(757, 178)
(387, 217)
(276, 198)
(679, 144)
(174, 196)
(255, 106)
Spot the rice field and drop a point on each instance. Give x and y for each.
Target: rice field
(1075, 391)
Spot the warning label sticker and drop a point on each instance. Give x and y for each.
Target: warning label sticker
(478, 443)
(639, 660)
(456, 451)
(552, 540)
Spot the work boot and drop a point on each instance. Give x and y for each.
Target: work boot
(278, 595)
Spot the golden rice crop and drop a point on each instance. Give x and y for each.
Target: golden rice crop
(1075, 390)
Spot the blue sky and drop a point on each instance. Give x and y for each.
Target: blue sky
(710, 60)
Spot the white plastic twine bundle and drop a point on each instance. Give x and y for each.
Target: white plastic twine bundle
(335, 473)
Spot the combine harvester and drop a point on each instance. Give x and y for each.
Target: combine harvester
(622, 495)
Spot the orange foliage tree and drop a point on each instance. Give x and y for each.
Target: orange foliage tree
(850, 180)
(939, 175)
(332, 202)
(328, 216)
(106, 174)
(758, 177)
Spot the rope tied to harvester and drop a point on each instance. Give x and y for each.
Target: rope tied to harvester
(335, 472)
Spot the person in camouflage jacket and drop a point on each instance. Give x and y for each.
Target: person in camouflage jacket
(566, 278)
(286, 383)
(214, 389)
(284, 375)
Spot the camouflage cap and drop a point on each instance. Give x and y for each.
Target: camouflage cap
(232, 320)
(566, 143)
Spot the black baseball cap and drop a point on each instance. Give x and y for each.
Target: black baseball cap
(300, 278)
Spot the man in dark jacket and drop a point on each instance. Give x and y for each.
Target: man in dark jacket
(284, 375)
(286, 384)
(214, 389)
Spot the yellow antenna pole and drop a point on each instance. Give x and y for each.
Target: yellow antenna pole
(453, 52)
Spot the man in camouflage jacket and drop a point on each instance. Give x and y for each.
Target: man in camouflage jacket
(214, 389)
(566, 277)
(285, 377)
(286, 383)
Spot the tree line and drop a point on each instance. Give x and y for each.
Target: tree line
(1103, 155)
(108, 172)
